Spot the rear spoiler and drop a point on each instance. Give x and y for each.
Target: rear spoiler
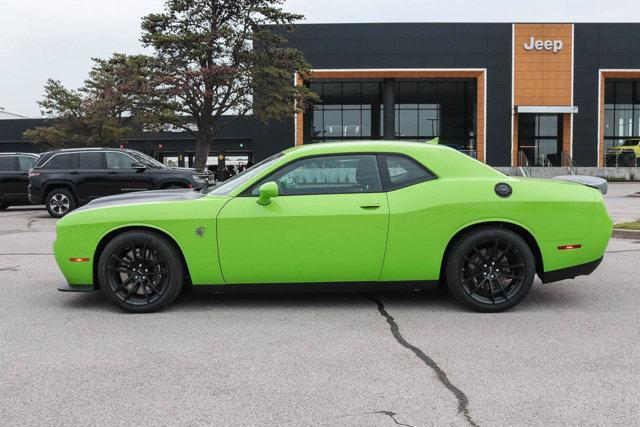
(589, 181)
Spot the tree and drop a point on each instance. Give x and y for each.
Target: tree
(220, 57)
(116, 100)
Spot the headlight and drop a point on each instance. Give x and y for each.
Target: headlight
(198, 178)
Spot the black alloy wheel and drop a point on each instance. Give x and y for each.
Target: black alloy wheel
(490, 269)
(140, 271)
(60, 202)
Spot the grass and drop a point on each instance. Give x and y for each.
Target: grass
(633, 225)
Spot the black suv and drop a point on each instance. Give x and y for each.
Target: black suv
(13, 178)
(65, 179)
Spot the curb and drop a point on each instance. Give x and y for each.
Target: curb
(625, 234)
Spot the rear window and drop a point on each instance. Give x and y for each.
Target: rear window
(404, 171)
(26, 162)
(61, 161)
(7, 164)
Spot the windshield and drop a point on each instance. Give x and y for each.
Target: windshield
(233, 183)
(631, 143)
(147, 161)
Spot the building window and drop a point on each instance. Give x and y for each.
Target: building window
(344, 110)
(540, 138)
(424, 109)
(621, 111)
(437, 108)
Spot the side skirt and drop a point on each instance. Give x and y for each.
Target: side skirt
(277, 288)
(76, 288)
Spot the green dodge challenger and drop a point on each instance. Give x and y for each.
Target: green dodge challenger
(371, 214)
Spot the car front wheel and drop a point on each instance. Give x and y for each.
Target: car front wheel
(490, 269)
(140, 271)
(60, 202)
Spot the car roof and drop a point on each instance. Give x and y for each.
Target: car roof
(363, 146)
(20, 154)
(64, 150)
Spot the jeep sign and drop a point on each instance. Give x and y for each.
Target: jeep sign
(550, 45)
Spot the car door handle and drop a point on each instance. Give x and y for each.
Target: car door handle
(112, 172)
(371, 206)
(74, 172)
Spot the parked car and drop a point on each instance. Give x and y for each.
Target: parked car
(374, 213)
(68, 178)
(627, 154)
(14, 178)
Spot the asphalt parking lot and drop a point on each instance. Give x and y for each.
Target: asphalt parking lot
(569, 354)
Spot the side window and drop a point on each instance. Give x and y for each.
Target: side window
(118, 160)
(352, 173)
(26, 162)
(90, 161)
(62, 161)
(404, 171)
(7, 164)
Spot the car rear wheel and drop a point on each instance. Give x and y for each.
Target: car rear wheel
(60, 202)
(628, 159)
(490, 269)
(140, 271)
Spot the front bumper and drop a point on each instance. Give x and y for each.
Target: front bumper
(570, 272)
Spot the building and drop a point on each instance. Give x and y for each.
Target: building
(7, 115)
(545, 94)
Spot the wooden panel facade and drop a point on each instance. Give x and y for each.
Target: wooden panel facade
(604, 75)
(543, 77)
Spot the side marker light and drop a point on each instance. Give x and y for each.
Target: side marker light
(567, 247)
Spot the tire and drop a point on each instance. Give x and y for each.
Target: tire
(60, 202)
(4, 206)
(490, 269)
(151, 285)
(628, 160)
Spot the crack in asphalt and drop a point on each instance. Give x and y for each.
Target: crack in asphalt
(392, 415)
(30, 223)
(463, 401)
(9, 269)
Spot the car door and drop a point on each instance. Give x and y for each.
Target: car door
(328, 224)
(121, 177)
(89, 176)
(24, 164)
(9, 182)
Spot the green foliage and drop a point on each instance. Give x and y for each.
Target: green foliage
(210, 58)
(633, 225)
(226, 57)
(116, 100)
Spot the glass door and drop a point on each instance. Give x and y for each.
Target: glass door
(540, 138)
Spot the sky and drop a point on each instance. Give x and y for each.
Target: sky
(42, 39)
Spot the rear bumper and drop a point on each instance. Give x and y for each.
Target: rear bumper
(34, 196)
(570, 272)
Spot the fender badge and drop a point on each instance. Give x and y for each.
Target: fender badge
(200, 231)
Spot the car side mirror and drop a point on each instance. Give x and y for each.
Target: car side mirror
(138, 167)
(268, 191)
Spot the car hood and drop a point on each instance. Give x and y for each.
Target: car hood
(154, 196)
